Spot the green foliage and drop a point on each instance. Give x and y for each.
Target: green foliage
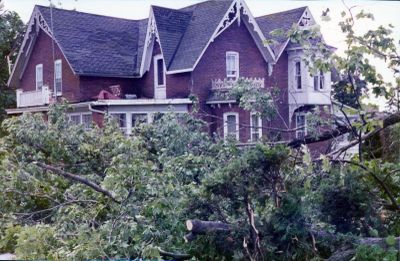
(36, 242)
(373, 253)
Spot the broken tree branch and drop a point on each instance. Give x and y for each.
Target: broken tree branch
(78, 179)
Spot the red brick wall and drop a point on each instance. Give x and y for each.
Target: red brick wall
(251, 64)
(177, 85)
(91, 86)
(42, 54)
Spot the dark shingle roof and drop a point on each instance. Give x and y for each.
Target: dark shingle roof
(94, 44)
(204, 20)
(282, 21)
(171, 26)
(109, 46)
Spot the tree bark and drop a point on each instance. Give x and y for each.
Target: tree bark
(77, 178)
(203, 227)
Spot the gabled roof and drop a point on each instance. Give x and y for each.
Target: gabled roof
(282, 21)
(205, 19)
(107, 46)
(95, 44)
(171, 26)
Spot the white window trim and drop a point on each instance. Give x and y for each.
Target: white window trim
(36, 76)
(80, 116)
(226, 124)
(56, 62)
(128, 129)
(297, 125)
(236, 54)
(252, 129)
(155, 63)
(295, 75)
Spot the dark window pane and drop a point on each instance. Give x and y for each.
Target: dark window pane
(160, 71)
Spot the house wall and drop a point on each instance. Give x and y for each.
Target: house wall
(90, 87)
(251, 64)
(42, 54)
(177, 85)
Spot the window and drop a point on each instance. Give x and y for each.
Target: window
(301, 130)
(159, 71)
(139, 119)
(256, 127)
(297, 75)
(75, 119)
(319, 81)
(231, 126)
(58, 77)
(84, 119)
(120, 118)
(232, 65)
(87, 121)
(39, 77)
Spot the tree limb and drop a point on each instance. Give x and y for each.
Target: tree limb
(78, 179)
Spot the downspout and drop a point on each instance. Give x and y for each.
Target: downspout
(94, 110)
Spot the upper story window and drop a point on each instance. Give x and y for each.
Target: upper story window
(301, 125)
(297, 75)
(231, 125)
(232, 65)
(319, 81)
(58, 77)
(159, 71)
(255, 126)
(39, 77)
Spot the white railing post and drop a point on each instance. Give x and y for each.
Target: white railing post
(18, 94)
(45, 94)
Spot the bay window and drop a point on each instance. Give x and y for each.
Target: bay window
(297, 75)
(319, 81)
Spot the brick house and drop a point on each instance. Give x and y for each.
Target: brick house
(133, 69)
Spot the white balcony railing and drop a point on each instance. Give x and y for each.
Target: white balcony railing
(33, 98)
(224, 84)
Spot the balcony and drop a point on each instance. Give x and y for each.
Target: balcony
(33, 98)
(227, 84)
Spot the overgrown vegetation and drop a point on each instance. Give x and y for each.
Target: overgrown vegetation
(172, 191)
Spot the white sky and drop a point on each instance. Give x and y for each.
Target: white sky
(385, 12)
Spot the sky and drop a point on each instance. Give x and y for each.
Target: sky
(385, 12)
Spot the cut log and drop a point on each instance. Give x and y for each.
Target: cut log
(203, 227)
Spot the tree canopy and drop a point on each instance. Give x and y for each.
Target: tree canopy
(172, 191)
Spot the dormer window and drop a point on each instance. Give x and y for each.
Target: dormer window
(297, 75)
(159, 72)
(319, 81)
(58, 77)
(39, 77)
(232, 65)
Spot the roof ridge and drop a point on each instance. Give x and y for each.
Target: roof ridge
(86, 13)
(203, 2)
(283, 12)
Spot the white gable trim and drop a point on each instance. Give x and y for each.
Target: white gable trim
(151, 36)
(40, 24)
(225, 23)
(307, 10)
